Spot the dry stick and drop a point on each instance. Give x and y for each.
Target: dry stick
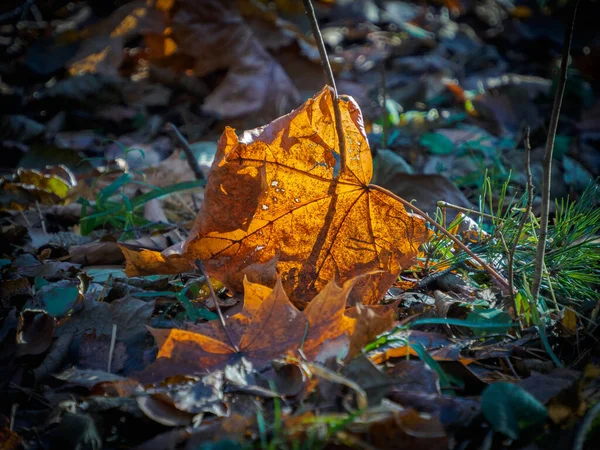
(524, 217)
(189, 154)
(13, 413)
(547, 162)
(200, 266)
(310, 12)
(111, 350)
(443, 204)
(499, 278)
(384, 121)
(42, 221)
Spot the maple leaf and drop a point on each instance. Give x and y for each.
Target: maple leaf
(268, 326)
(278, 192)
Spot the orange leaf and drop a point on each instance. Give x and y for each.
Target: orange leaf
(268, 327)
(274, 191)
(277, 192)
(148, 262)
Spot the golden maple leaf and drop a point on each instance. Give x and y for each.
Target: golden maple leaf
(278, 192)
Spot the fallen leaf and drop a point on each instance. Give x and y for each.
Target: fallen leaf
(152, 262)
(27, 187)
(262, 331)
(194, 37)
(90, 379)
(415, 376)
(102, 50)
(509, 408)
(369, 377)
(546, 386)
(35, 331)
(57, 299)
(268, 326)
(278, 190)
(129, 314)
(160, 409)
(96, 253)
(404, 342)
(95, 351)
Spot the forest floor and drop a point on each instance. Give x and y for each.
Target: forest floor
(278, 299)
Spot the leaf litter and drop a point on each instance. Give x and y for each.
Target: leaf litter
(309, 354)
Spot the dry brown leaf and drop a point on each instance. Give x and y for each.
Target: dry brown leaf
(103, 44)
(209, 35)
(152, 262)
(268, 327)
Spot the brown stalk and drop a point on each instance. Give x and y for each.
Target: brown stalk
(443, 204)
(310, 12)
(547, 162)
(200, 266)
(189, 154)
(499, 278)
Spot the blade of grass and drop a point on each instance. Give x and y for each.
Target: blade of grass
(140, 200)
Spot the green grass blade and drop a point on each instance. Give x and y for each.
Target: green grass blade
(144, 198)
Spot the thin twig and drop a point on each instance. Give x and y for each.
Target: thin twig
(13, 413)
(26, 219)
(511, 367)
(31, 394)
(200, 266)
(384, 122)
(310, 12)
(547, 162)
(443, 204)
(111, 350)
(37, 14)
(42, 221)
(499, 278)
(189, 154)
(524, 217)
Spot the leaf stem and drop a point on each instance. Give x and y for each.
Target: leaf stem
(200, 266)
(189, 154)
(310, 12)
(499, 278)
(547, 162)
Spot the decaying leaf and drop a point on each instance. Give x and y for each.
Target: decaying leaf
(27, 187)
(268, 326)
(195, 36)
(278, 192)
